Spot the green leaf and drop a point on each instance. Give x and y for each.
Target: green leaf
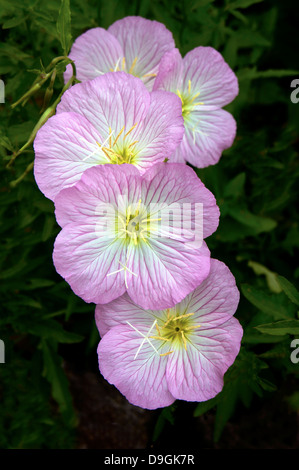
(288, 289)
(235, 187)
(205, 406)
(253, 73)
(225, 410)
(239, 15)
(48, 227)
(267, 385)
(63, 26)
(166, 415)
(240, 382)
(51, 329)
(269, 304)
(248, 38)
(257, 222)
(260, 338)
(271, 277)
(14, 22)
(54, 373)
(293, 401)
(283, 327)
(242, 3)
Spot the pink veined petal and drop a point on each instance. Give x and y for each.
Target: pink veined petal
(121, 310)
(162, 129)
(157, 272)
(99, 186)
(95, 52)
(169, 77)
(215, 300)
(141, 380)
(144, 42)
(207, 134)
(165, 271)
(196, 374)
(109, 102)
(87, 253)
(84, 260)
(210, 75)
(177, 185)
(65, 147)
(213, 303)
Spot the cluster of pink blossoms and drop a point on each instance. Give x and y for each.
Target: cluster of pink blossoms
(134, 216)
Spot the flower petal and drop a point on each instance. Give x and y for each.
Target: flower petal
(100, 187)
(95, 52)
(210, 75)
(215, 300)
(162, 129)
(121, 310)
(212, 303)
(177, 185)
(169, 77)
(141, 380)
(165, 271)
(84, 260)
(88, 253)
(207, 134)
(196, 374)
(144, 43)
(65, 147)
(109, 102)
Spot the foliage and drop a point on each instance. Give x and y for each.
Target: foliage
(255, 184)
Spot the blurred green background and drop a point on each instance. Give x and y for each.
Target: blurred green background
(51, 393)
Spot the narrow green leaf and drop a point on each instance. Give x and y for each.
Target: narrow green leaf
(14, 22)
(63, 26)
(240, 381)
(166, 415)
(239, 15)
(51, 329)
(266, 303)
(225, 410)
(235, 187)
(54, 373)
(288, 289)
(243, 3)
(257, 222)
(205, 406)
(293, 401)
(270, 276)
(253, 73)
(283, 327)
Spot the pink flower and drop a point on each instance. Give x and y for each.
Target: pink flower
(122, 231)
(133, 44)
(205, 83)
(155, 357)
(111, 119)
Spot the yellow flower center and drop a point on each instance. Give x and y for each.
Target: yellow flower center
(188, 101)
(119, 150)
(121, 66)
(136, 223)
(175, 329)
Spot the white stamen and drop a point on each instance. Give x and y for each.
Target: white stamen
(146, 338)
(105, 141)
(97, 148)
(90, 155)
(125, 269)
(116, 66)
